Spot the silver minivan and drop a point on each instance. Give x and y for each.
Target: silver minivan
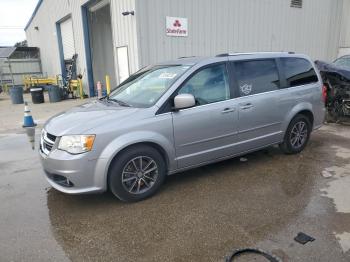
(179, 115)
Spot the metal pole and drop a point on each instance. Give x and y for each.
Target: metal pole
(108, 85)
(1, 80)
(13, 80)
(81, 88)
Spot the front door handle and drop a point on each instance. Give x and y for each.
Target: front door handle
(246, 106)
(228, 110)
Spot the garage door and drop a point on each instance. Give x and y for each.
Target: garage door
(67, 39)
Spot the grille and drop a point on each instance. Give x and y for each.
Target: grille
(47, 142)
(296, 3)
(48, 146)
(51, 137)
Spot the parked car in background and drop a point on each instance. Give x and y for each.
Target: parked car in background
(179, 115)
(343, 62)
(336, 78)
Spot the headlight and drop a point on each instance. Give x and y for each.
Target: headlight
(76, 144)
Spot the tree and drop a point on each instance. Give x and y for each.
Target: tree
(22, 43)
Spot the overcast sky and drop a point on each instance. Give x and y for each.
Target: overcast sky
(14, 15)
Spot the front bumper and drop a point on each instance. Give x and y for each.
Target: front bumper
(74, 174)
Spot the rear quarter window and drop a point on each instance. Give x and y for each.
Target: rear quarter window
(298, 71)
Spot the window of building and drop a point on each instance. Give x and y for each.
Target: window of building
(298, 71)
(256, 76)
(209, 85)
(296, 3)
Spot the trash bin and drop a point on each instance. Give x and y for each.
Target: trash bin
(55, 94)
(37, 95)
(16, 94)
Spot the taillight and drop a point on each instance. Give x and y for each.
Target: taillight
(324, 93)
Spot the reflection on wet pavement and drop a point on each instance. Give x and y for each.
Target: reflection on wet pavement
(199, 215)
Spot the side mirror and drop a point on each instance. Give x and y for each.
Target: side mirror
(184, 101)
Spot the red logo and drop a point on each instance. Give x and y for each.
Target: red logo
(177, 23)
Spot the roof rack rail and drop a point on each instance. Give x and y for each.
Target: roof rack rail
(223, 55)
(181, 57)
(252, 53)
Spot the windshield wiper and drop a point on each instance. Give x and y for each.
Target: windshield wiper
(119, 102)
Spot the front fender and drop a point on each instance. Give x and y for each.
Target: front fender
(123, 141)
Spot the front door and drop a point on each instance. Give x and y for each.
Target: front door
(260, 119)
(208, 130)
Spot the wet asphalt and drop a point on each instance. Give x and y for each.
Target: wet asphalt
(199, 215)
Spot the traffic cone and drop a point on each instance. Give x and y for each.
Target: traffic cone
(28, 119)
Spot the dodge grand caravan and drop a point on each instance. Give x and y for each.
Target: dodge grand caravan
(179, 115)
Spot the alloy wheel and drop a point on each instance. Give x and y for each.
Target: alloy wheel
(139, 174)
(298, 134)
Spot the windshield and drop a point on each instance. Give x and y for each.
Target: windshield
(343, 62)
(145, 87)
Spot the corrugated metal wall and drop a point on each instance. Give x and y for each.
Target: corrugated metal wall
(45, 37)
(125, 33)
(19, 69)
(344, 45)
(220, 26)
(215, 26)
(51, 11)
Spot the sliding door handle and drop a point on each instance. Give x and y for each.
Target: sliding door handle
(228, 110)
(246, 106)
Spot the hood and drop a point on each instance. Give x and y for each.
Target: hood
(325, 68)
(81, 119)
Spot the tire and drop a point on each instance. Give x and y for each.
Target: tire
(128, 182)
(293, 143)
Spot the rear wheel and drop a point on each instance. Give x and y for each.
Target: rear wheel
(297, 135)
(137, 173)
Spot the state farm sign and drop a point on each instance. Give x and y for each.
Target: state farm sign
(176, 26)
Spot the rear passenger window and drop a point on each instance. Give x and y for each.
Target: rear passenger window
(256, 76)
(298, 71)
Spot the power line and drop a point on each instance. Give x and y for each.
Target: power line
(11, 27)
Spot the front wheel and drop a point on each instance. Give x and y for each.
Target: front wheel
(297, 135)
(137, 173)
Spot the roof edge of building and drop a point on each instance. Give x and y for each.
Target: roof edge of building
(33, 14)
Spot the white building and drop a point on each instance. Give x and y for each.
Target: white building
(110, 42)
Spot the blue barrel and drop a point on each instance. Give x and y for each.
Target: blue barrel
(55, 94)
(16, 94)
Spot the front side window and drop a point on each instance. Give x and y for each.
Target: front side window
(209, 85)
(256, 76)
(144, 88)
(298, 71)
